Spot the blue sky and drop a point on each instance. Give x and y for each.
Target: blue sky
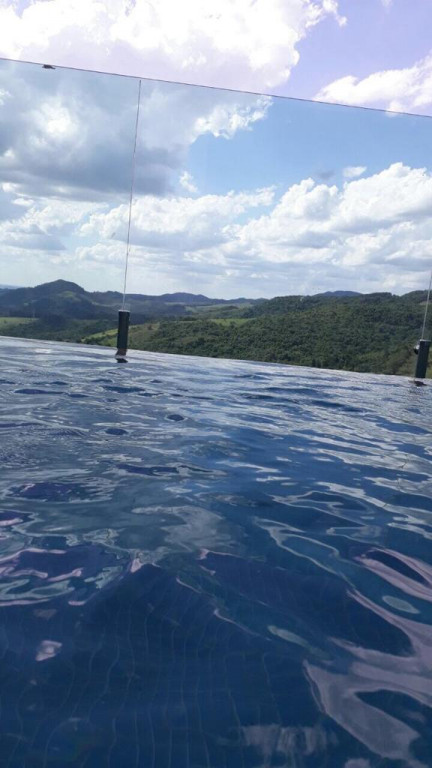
(300, 139)
(376, 37)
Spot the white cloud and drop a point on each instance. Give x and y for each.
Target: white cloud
(225, 121)
(174, 116)
(353, 171)
(24, 202)
(408, 89)
(187, 183)
(396, 194)
(178, 224)
(103, 253)
(60, 127)
(44, 224)
(373, 233)
(246, 44)
(315, 217)
(4, 95)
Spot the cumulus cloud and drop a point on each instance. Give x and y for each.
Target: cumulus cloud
(42, 226)
(49, 215)
(370, 234)
(187, 183)
(70, 134)
(4, 95)
(172, 117)
(380, 223)
(353, 171)
(59, 128)
(316, 216)
(408, 89)
(178, 223)
(245, 44)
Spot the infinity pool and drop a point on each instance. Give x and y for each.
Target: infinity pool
(212, 564)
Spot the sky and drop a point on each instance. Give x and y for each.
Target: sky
(376, 53)
(235, 194)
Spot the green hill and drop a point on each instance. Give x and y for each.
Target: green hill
(62, 298)
(374, 332)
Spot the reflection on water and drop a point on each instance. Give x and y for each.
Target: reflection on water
(209, 563)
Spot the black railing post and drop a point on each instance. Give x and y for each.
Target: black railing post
(422, 351)
(122, 333)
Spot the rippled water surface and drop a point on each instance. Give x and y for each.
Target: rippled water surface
(212, 564)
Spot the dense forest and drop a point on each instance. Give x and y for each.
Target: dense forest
(371, 332)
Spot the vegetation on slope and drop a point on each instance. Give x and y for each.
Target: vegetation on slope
(52, 328)
(68, 299)
(374, 332)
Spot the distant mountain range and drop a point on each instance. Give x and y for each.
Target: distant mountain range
(68, 299)
(339, 293)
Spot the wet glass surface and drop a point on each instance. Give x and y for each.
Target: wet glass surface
(211, 563)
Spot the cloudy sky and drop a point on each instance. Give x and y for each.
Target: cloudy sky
(370, 52)
(235, 194)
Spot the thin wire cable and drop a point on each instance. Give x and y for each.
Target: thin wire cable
(426, 308)
(131, 195)
(268, 94)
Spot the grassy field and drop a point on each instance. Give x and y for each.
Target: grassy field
(6, 323)
(56, 329)
(218, 311)
(139, 336)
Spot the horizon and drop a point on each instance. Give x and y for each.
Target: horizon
(235, 194)
(212, 298)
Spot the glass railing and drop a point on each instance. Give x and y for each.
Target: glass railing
(218, 200)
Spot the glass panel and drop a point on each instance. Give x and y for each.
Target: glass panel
(65, 158)
(236, 196)
(262, 196)
(257, 197)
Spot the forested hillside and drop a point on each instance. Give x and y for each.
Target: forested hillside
(373, 332)
(62, 298)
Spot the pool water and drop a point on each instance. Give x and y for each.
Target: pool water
(212, 564)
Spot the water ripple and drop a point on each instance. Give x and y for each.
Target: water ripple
(209, 563)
